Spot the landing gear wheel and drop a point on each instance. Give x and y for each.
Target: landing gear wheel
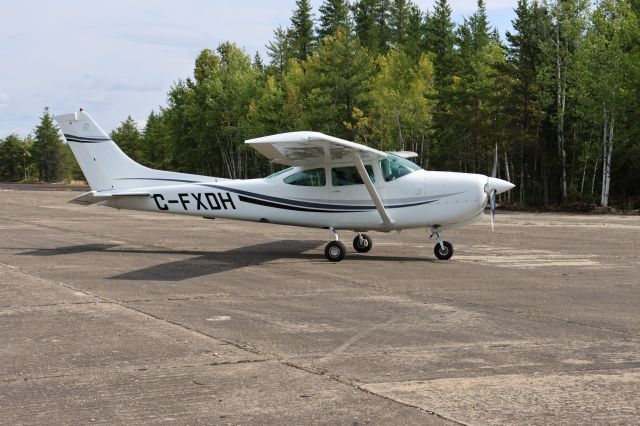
(362, 245)
(443, 253)
(335, 251)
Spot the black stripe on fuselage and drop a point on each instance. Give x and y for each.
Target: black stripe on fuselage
(288, 207)
(296, 203)
(288, 204)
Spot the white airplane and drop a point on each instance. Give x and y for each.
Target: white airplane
(331, 184)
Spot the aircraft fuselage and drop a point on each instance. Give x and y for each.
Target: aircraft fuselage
(419, 199)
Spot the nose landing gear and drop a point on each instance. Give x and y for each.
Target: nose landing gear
(443, 250)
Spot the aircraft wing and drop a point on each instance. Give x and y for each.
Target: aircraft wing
(310, 148)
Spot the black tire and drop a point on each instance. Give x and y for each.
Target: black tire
(443, 254)
(366, 245)
(335, 251)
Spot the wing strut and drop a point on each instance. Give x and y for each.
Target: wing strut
(372, 189)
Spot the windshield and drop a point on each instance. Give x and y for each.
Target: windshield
(394, 167)
(281, 172)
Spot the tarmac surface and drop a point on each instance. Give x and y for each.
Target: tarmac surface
(127, 317)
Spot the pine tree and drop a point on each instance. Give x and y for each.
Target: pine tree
(371, 18)
(302, 40)
(365, 23)
(415, 42)
(440, 41)
(526, 104)
(477, 53)
(479, 26)
(382, 10)
(336, 82)
(156, 144)
(258, 63)
(48, 150)
(334, 14)
(15, 164)
(399, 16)
(280, 50)
(129, 139)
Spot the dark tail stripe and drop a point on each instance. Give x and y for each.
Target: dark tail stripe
(165, 180)
(83, 139)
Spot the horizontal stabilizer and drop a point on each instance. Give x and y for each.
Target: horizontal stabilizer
(93, 197)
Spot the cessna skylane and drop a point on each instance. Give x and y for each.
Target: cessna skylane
(330, 184)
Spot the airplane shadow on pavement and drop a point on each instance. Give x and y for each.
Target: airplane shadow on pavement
(212, 262)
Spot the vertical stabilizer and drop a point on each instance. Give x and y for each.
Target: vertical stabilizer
(99, 157)
(104, 164)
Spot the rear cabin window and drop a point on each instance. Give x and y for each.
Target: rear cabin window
(312, 177)
(394, 167)
(342, 176)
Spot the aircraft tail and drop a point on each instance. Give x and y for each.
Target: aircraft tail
(103, 163)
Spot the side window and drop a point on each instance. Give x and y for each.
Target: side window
(312, 177)
(342, 176)
(394, 167)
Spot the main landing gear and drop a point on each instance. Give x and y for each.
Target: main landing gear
(335, 251)
(443, 249)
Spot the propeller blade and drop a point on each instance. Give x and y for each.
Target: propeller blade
(492, 198)
(494, 171)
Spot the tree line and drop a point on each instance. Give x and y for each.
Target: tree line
(41, 156)
(558, 95)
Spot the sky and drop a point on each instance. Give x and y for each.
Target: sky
(120, 57)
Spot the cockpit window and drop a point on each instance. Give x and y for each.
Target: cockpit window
(312, 177)
(342, 176)
(281, 172)
(394, 167)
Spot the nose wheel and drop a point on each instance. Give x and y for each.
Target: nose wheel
(443, 250)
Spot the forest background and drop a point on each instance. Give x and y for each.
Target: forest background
(559, 96)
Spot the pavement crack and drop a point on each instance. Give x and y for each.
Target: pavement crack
(92, 372)
(49, 305)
